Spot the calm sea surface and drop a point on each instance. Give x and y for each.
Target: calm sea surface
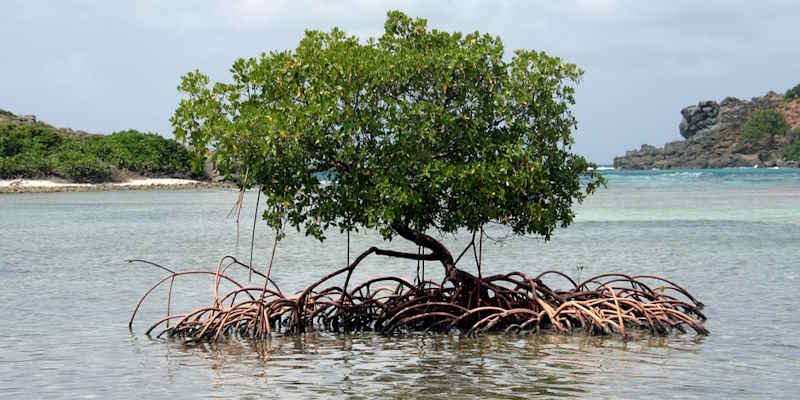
(732, 237)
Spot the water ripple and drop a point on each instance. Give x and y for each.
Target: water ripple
(66, 294)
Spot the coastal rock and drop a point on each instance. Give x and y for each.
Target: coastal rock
(712, 137)
(698, 119)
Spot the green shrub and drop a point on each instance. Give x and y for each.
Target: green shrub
(791, 152)
(793, 93)
(25, 165)
(145, 153)
(81, 167)
(19, 138)
(764, 123)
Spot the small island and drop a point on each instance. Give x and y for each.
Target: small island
(37, 157)
(421, 135)
(761, 132)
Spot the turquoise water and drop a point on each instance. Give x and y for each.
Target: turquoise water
(711, 179)
(732, 237)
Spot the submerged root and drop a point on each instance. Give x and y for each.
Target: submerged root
(514, 302)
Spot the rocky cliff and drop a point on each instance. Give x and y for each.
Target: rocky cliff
(713, 139)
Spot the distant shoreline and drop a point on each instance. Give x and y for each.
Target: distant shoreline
(56, 186)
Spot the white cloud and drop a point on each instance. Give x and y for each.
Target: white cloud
(644, 60)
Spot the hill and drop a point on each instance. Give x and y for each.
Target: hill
(32, 149)
(763, 131)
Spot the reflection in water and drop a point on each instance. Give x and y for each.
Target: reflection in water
(432, 365)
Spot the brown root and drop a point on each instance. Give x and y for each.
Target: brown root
(463, 303)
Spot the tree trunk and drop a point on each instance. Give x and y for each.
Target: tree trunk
(438, 252)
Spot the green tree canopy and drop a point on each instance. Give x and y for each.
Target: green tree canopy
(418, 130)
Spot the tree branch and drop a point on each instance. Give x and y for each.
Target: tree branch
(410, 256)
(438, 250)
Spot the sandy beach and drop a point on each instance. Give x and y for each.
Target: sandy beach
(50, 185)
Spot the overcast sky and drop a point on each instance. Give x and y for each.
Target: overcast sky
(104, 66)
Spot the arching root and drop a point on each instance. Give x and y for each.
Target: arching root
(513, 303)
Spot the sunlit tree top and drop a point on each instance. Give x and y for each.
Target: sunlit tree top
(420, 129)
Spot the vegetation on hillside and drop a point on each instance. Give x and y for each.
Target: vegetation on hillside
(770, 123)
(764, 123)
(791, 152)
(39, 151)
(793, 93)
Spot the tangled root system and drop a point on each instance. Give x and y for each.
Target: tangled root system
(514, 302)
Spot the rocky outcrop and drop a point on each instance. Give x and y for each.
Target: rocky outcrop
(712, 132)
(698, 119)
(6, 117)
(9, 118)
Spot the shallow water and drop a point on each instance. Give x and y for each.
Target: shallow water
(732, 237)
